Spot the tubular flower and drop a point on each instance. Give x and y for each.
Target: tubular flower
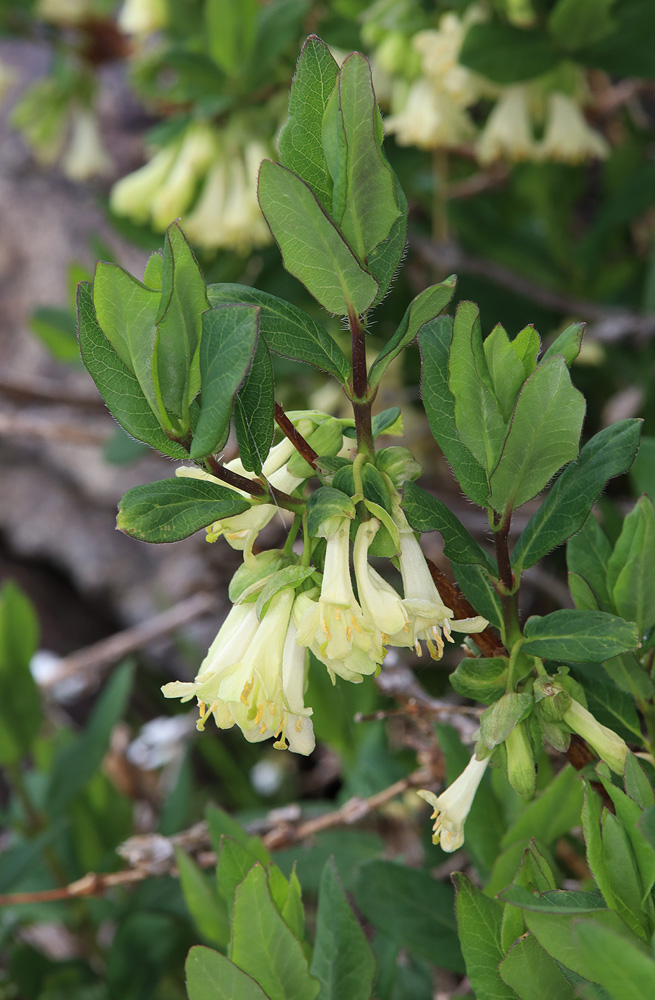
(142, 17)
(429, 119)
(356, 665)
(508, 131)
(452, 807)
(568, 137)
(241, 530)
(428, 617)
(608, 745)
(85, 156)
(380, 602)
(132, 194)
(335, 624)
(253, 676)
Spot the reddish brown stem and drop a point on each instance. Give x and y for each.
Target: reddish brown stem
(487, 642)
(294, 435)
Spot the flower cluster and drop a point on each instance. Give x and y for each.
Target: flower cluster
(255, 671)
(208, 178)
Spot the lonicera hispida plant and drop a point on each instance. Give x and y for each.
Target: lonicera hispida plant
(180, 362)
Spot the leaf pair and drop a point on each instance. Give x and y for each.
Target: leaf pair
(333, 203)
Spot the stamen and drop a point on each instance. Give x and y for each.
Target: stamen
(258, 717)
(298, 725)
(325, 628)
(247, 688)
(417, 648)
(384, 637)
(349, 633)
(355, 624)
(337, 614)
(262, 728)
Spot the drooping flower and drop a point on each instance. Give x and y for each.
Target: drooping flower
(428, 616)
(132, 195)
(453, 806)
(380, 602)
(174, 196)
(508, 132)
(429, 119)
(335, 624)
(85, 156)
(568, 136)
(254, 676)
(142, 17)
(359, 662)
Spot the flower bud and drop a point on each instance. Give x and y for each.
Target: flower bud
(608, 745)
(521, 765)
(399, 464)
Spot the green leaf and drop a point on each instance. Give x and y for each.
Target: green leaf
(312, 248)
(231, 27)
(498, 721)
(20, 705)
(575, 24)
(628, 813)
(301, 149)
(480, 920)
(263, 946)
(479, 422)
(57, 330)
(383, 262)
(553, 900)
(434, 341)
(553, 813)
(78, 761)
(412, 909)
(207, 909)
(579, 636)
(369, 204)
(506, 369)
(620, 966)
(221, 824)
(631, 567)
(234, 862)
(171, 509)
(506, 54)
(229, 338)
(116, 383)
(254, 407)
(533, 974)
(327, 502)
(637, 785)
(543, 435)
(421, 310)
(588, 554)
(628, 674)
(478, 590)
(212, 976)
(566, 508)
(426, 513)
(642, 472)
(179, 324)
(608, 703)
(287, 329)
(626, 50)
(343, 961)
(127, 314)
(568, 343)
(481, 678)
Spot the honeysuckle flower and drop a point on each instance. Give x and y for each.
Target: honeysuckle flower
(241, 530)
(428, 617)
(429, 119)
(568, 137)
(359, 662)
(335, 624)
(142, 17)
(508, 131)
(85, 156)
(608, 745)
(254, 676)
(440, 57)
(379, 601)
(452, 807)
(132, 195)
(174, 196)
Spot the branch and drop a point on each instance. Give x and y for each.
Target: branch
(294, 435)
(154, 855)
(487, 642)
(108, 651)
(609, 324)
(253, 486)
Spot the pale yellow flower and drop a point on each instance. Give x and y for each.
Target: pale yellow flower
(453, 806)
(568, 136)
(85, 156)
(429, 119)
(508, 132)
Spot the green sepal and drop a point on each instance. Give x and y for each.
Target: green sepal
(483, 679)
(254, 408)
(289, 576)
(325, 503)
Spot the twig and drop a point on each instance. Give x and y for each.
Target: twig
(294, 435)
(45, 390)
(609, 324)
(156, 854)
(22, 425)
(107, 651)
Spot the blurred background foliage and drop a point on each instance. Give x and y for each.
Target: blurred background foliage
(522, 133)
